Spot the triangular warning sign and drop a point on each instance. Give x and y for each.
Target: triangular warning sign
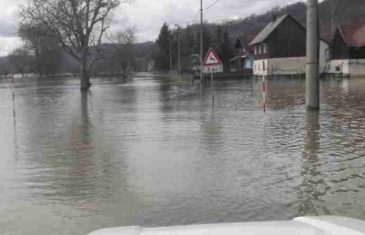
(212, 58)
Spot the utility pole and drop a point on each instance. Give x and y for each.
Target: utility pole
(201, 40)
(312, 75)
(170, 55)
(179, 49)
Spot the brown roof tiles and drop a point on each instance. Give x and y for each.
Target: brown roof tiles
(353, 35)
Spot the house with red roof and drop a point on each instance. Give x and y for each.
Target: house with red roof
(280, 48)
(347, 51)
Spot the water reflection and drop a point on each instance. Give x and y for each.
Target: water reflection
(285, 94)
(313, 188)
(81, 141)
(212, 133)
(153, 153)
(15, 141)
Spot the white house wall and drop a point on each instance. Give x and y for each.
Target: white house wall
(338, 67)
(323, 56)
(357, 68)
(258, 67)
(353, 67)
(288, 65)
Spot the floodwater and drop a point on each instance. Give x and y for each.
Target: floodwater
(151, 152)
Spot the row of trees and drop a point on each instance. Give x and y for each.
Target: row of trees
(43, 55)
(41, 52)
(167, 45)
(53, 29)
(119, 56)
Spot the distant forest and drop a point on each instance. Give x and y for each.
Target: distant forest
(345, 12)
(332, 13)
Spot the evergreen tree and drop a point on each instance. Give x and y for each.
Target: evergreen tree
(226, 50)
(207, 41)
(218, 39)
(187, 48)
(187, 42)
(162, 54)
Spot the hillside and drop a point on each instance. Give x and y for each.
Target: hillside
(349, 11)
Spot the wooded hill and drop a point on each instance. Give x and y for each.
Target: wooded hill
(345, 12)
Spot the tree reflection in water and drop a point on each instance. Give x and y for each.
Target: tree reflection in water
(81, 143)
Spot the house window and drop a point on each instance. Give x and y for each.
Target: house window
(263, 65)
(255, 50)
(260, 49)
(265, 48)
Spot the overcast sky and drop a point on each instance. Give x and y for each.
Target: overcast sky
(147, 16)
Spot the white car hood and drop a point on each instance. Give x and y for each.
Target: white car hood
(300, 226)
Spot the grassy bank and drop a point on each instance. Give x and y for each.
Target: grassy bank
(177, 78)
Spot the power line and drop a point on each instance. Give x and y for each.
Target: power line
(192, 21)
(196, 15)
(198, 12)
(211, 5)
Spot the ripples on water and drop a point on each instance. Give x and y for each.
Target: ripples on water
(154, 153)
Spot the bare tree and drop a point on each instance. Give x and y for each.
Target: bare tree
(334, 5)
(20, 60)
(79, 26)
(43, 45)
(124, 54)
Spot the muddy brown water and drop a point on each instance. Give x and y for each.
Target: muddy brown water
(154, 153)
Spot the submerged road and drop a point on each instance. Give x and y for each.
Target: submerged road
(155, 153)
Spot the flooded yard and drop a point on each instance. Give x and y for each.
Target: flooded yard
(151, 152)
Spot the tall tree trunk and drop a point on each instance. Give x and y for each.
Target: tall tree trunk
(124, 71)
(37, 63)
(84, 73)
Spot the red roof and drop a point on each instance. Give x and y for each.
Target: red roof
(353, 35)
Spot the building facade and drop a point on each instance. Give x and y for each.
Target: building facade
(347, 51)
(243, 61)
(280, 48)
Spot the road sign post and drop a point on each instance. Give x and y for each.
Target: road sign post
(212, 64)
